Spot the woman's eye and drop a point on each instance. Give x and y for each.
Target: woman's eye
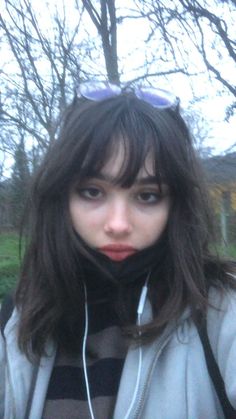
(90, 193)
(149, 197)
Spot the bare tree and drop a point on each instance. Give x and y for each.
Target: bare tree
(196, 31)
(106, 16)
(106, 25)
(41, 72)
(42, 66)
(200, 130)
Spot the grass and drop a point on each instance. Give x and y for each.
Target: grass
(227, 251)
(9, 262)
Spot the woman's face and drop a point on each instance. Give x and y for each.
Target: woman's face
(119, 221)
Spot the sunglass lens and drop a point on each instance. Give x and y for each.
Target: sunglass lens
(98, 91)
(158, 98)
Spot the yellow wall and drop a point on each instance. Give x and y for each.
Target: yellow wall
(216, 194)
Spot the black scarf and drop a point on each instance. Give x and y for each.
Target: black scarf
(105, 278)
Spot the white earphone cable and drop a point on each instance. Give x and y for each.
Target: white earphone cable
(141, 304)
(137, 379)
(84, 354)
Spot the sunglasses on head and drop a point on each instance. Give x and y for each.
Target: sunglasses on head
(158, 98)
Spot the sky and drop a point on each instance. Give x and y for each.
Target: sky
(222, 133)
(132, 48)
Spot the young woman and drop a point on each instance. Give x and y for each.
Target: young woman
(118, 284)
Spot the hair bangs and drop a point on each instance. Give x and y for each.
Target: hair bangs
(127, 127)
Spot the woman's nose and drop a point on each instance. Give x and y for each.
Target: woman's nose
(118, 220)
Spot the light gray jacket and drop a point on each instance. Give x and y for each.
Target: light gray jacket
(174, 380)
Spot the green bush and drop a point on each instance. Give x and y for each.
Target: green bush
(6, 285)
(228, 252)
(9, 262)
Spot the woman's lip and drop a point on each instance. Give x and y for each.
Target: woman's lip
(117, 252)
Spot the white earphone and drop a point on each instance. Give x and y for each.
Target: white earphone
(141, 304)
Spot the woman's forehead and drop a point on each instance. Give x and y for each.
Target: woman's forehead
(113, 167)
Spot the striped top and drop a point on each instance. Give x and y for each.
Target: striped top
(105, 352)
(111, 305)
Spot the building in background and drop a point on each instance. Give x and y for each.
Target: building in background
(221, 174)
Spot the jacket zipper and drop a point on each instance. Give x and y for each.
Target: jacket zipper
(146, 385)
(12, 398)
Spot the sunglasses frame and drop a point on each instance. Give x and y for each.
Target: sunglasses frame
(156, 97)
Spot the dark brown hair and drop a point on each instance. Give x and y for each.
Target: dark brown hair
(50, 293)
